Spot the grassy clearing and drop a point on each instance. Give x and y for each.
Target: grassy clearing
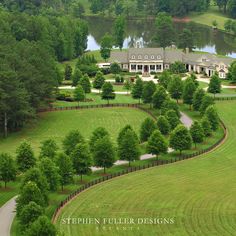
(57, 124)
(199, 194)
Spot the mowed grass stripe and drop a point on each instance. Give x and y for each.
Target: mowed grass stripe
(57, 124)
(199, 193)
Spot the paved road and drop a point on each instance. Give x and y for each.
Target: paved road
(186, 120)
(7, 214)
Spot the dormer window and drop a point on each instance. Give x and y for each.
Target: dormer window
(139, 57)
(152, 57)
(146, 57)
(158, 57)
(133, 56)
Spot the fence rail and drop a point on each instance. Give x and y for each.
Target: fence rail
(225, 98)
(136, 168)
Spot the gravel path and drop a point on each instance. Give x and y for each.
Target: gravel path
(7, 214)
(186, 120)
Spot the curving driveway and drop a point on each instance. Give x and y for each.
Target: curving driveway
(7, 214)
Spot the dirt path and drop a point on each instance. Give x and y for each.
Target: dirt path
(7, 214)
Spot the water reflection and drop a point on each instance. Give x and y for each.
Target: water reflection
(206, 39)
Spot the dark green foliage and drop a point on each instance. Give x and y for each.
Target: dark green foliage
(128, 85)
(206, 126)
(172, 118)
(180, 139)
(188, 91)
(147, 128)
(164, 79)
(48, 148)
(149, 89)
(232, 8)
(50, 171)
(81, 159)
(98, 133)
(170, 104)
(137, 90)
(85, 83)
(163, 125)
(159, 97)
(215, 85)
(65, 169)
(76, 77)
(106, 46)
(128, 146)
(232, 72)
(71, 140)
(123, 132)
(7, 168)
(186, 39)
(119, 32)
(30, 213)
(79, 94)
(157, 144)
(41, 227)
(197, 132)
(104, 154)
(68, 72)
(99, 80)
(108, 92)
(175, 88)
(213, 117)
(115, 68)
(197, 99)
(25, 157)
(206, 102)
(177, 67)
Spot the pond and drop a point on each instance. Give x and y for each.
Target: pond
(143, 31)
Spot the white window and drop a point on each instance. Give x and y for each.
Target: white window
(139, 57)
(158, 57)
(133, 67)
(146, 57)
(152, 67)
(222, 75)
(167, 66)
(152, 57)
(133, 56)
(159, 67)
(140, 67)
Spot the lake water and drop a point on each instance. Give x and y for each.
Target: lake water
(206, 39)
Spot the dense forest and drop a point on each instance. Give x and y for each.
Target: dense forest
(30, 46)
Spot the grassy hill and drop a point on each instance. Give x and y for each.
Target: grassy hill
(199, 194)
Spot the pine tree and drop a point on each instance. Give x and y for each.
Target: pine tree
(76, 77)
(85, 83)
(68, 72)
(108, 92)
(99, 81)
(79, 94)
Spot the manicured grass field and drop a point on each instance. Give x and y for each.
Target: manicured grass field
(199, 194)
(57, 124)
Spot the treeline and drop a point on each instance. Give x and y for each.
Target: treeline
(29, 49)
(150, 7)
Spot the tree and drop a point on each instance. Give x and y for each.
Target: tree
(170, 104)
(222, 4)
(232, 72)
(214, 24)
(165, 29)
(206, 102)
(30, 213)
(71, 140)
(119, 32)
(106, 46)
(197, 98)
(164, 78)
(188, 92)
(42, 226)
(147, 128)
(7, 168)
(104, 154)
(157, 144)
(29, 193)
(159, 97)
(65, 169)
(197, 133)
(79, 94)
(180, 139)
(175, 88)
(186, 39)
(98, 133)
(128, 147)
(149, 89)
(178, 67)
(25, 157)
(99, 81)
(232, 8)
(206, 126)
(108, 92)
(115, 68)
(163, 125)
(214, 85)
(137, 90)
(68, 72)
(128, 85)
(48, 149)
(172, 118)
(76, 77)
(85, 83)
(213, 117)
(82, 161)
(50, 171)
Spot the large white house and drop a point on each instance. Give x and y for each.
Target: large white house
(147, 60)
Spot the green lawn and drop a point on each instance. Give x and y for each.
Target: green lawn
(199, 194)
(208, 17)
(57, 124)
